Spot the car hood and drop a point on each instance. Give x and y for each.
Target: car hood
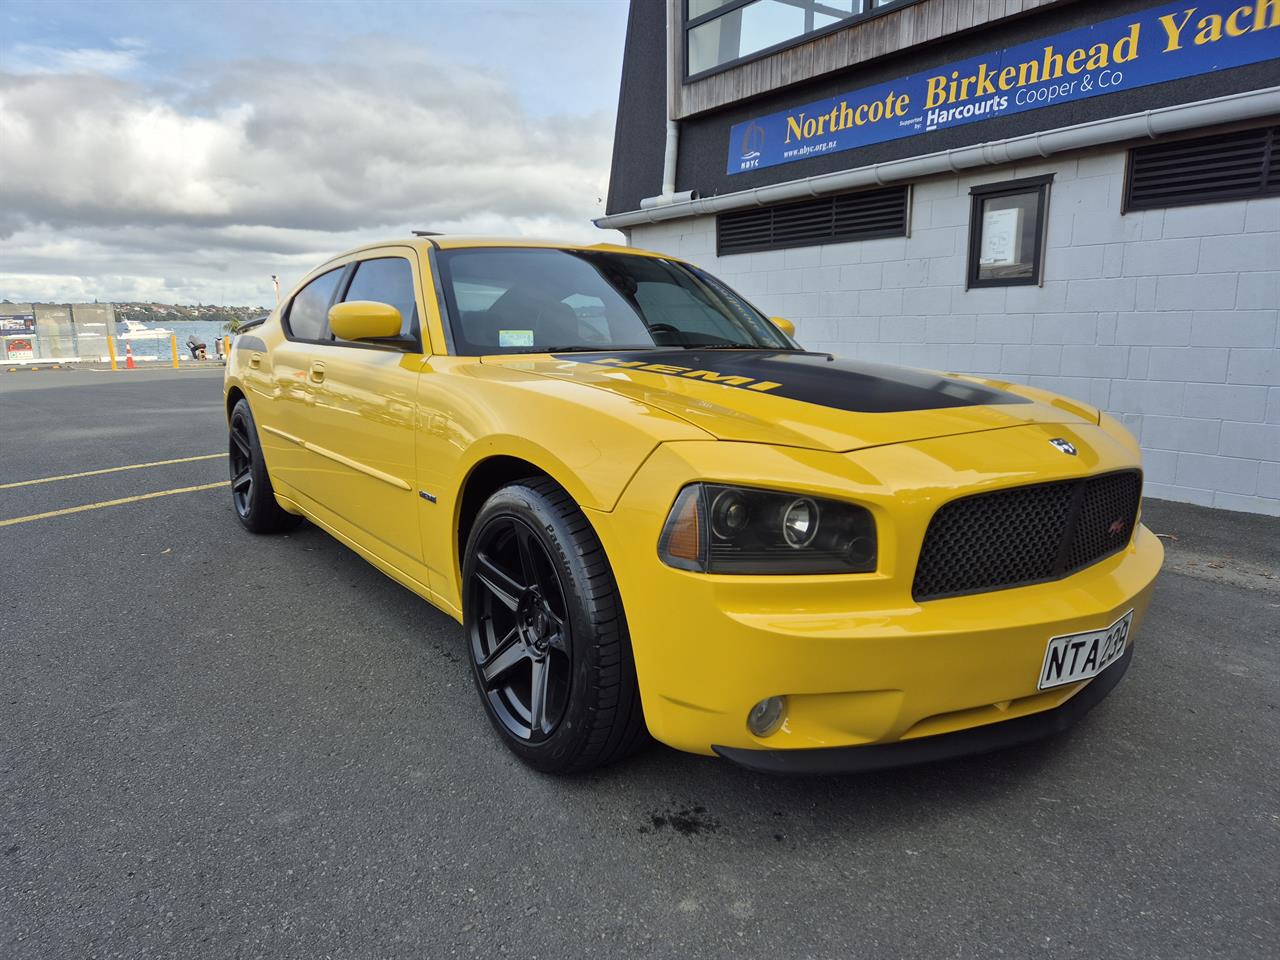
(801, 399)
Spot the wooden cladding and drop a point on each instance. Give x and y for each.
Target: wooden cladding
(859, 42)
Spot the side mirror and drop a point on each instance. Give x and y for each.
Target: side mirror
(364, 320)
(785, 325)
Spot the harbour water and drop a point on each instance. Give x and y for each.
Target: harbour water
(159, 350)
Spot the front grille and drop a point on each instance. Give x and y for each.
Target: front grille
(1024, 535)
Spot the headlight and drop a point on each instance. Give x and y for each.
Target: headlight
(721, 529)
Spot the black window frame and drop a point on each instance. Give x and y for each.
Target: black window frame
(413, 343)
(732, 5)
(978, 195)
(1268, 176)
(344, 275)
(816, 206)
(404, 341)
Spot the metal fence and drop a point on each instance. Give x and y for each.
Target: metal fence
(89, 333)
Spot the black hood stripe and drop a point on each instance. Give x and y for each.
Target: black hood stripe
(817, 378)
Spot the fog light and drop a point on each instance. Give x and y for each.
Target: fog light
(766, 716)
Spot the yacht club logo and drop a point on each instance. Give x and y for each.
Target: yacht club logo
(752, 142)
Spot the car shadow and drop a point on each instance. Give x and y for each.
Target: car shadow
(708, 795)
(661, 791)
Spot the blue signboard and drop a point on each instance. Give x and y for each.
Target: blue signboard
(1152, 46)
(14, 324)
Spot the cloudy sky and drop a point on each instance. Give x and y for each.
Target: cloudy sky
(184, 152)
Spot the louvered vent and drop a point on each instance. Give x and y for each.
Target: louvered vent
(850, 216)
(1230, 166)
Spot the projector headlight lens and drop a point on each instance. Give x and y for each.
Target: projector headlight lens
(800, 523)
(716, 528)
(729, 514)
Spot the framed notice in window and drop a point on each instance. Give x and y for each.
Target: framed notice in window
(1006, 232)
(1000, 237)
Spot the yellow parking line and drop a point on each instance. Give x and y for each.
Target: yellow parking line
(94, 473)
(111, 503)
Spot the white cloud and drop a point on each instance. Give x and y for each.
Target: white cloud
(253, 168)
(123, 56)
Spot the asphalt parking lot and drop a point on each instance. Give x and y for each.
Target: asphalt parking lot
(219, 745)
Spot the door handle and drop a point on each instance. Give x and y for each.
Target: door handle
(317, 372)
(255, 360)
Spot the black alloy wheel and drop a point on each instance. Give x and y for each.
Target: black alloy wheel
(251, 494)
(550, 651)
(522, 644)
(241, 454)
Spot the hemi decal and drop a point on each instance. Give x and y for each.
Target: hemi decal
(816, 378)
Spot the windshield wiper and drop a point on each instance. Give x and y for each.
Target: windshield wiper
(728, 346)
(608, 348)
(581, 348)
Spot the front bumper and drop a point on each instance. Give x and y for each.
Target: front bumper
(942, 746)
(863, 666)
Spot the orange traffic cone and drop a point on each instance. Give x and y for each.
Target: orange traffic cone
(128, 357)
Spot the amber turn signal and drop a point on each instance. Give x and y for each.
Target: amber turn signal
(682, 539)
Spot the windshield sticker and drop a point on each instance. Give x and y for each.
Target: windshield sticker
(515, 338)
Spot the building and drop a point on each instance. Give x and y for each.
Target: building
(1081, 196)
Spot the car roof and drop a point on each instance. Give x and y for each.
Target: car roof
(457, 241)
(425, 242)
(464, 241)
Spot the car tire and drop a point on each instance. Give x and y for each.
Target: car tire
(252, 498)
(541, 609)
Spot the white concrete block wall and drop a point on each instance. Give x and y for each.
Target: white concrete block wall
(1168, 319)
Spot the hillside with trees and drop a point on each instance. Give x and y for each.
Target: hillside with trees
(180, 313)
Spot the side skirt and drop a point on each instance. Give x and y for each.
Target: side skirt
(295, 502)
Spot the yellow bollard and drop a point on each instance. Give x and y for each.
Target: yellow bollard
(173, 345)
(111, 351)
(226, 348)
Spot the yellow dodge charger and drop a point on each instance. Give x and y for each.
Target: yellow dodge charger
(653, 511)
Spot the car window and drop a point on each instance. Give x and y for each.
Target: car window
(309, 311)
(387, 280)
(669, 304)
(510, 300)
(475, 296)
(593, 324)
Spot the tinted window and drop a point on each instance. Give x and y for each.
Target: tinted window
(387, 280)
(717, 35)
(504, 300)
(309, 311)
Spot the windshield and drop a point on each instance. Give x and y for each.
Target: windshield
(511, 300)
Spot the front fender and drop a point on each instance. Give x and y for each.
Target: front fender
(589, 441)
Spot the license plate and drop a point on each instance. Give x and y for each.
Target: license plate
(1080, 656)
